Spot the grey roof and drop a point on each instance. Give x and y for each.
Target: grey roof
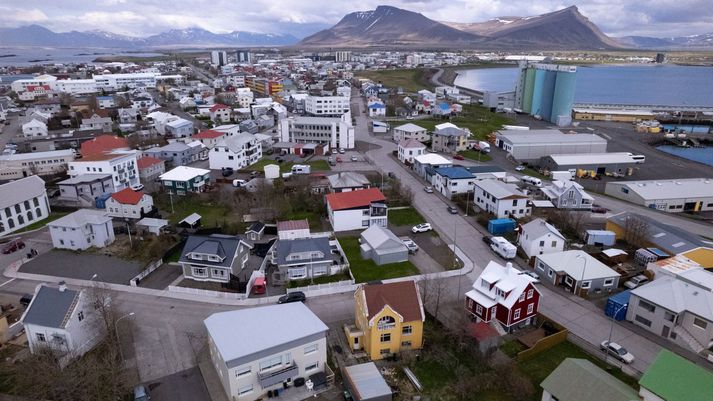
(663, 236)
(578, 264)
(252, 331)
(547, 136)
(499, 189)
(172, 147)
(300, 245)
(410, 127)
(688, 291)
(151, 222)
(50, 307)
(82, 178)
(382, 240)
(236, 142)
(581, 380)
(18, 191)
(347, 179)
(81, 218)
(485, 169)
(670, 189)
(366, 381)
(224, 246)
(450, 131)
(538, 227)
(256, 227)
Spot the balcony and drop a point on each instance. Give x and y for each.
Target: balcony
(278, 376)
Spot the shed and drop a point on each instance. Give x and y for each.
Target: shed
(485, 336)
(365, 383)
(617, 305)
(192, 221)
(600, 237)
(154, 226)
(382, 246)
(272, 171)
(501, 226)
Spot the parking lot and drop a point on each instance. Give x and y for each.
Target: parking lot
(83, 266)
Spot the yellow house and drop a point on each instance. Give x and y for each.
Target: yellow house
(388, 319)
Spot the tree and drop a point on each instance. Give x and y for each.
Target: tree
(636, 231)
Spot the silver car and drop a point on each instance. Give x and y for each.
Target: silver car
(412, 246)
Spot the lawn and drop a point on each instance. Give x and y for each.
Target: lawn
(475, 155)
(315, 222)
(318, 280)
(405, 217)
(512, 348)
(410, 80)
(533, 173)
(479, 120)
(212, 213)
(366, 270)
(319, 165)
(286, 167)
(41, 223)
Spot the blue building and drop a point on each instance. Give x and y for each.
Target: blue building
(546, 91)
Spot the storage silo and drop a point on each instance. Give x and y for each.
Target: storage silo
(563, 98)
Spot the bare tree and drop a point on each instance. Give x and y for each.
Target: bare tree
(433, 292)
(636, 231)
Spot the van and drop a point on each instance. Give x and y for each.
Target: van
(502, 247)
(638, 158)
(532, 181)
(301, 169)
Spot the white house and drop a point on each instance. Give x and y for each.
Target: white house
(256, 350)
(62, 320)
(568, 195)
(97, 122)
(293, 229)
(337, 132)
(120, 164)
(501, 199)
(376, 109)
(449, 181)
(34, 129)
(539, 237)
(357, 210)
(82, 229)
(409, 149)
(129, 204)
(179, 128)
(220, 113)
(22, 202)
(237, 152)
(410, 131)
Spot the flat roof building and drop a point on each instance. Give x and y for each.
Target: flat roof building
(600, 163)
(531, 145)
(673, 196)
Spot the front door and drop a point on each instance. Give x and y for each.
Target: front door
(665, 332)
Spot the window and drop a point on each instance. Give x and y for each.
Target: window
(41, 337)
(541, 266)
(530, 293)
(479, 310)
(242, 371)
(80, 315)
(586, 284)
(542, 243)
(669, 316)
(385, 351)
(608, 282)
(406, 344)
(647, 306)
(386, 323)
(406, 330)
(700, 323)
(311, 349)
(245, 390)
(270, 363)
(554, 244)
(642, 320)
(385, 338)
(516, 315)
(522, 297)
(200, 272)
(311, 367)
(530, 308)
(568, 280)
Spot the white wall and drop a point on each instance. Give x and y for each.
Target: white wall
(99, 235)
(116, 209)
(532, 247)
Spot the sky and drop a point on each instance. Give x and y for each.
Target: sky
(660, 18)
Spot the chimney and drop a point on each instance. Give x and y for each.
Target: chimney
(62, 286)
(508, 268)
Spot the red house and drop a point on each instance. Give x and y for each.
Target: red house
(503, 294)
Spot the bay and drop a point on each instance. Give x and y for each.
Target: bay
(701, 155)
(26, 56)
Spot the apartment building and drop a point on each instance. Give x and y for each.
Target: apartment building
(337, 132)
(120, 164)
(327, 106)
(236, 152)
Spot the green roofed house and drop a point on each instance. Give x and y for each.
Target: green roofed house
(673, 378)
(581, 380)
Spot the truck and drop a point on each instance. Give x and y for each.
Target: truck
(565, 175)
(503, 247)
(301, 169)
(483, 146)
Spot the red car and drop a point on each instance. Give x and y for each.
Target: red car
(12, 246)
(458, 157)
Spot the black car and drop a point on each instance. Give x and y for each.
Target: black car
(227, 172)
(487, 240)
(25, 300)
(297, 296)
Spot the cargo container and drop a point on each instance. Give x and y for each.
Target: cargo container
(600, 237)
(501, 226)
(618, 304)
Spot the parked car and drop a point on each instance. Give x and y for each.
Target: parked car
(253, 174)
(503, 247)
(412, 246)
(354, 158)
(458, 157)
(227, 171)
(636, 281)
(599, 209)
(137, 187)
(452, 210)
(520, 168)
(339, 159)
(12, 246)
(342, 151)
(617, 351)
(533, 275)
(297, 296)
(421, 228)
(428, 189)
(237, 183)
(279, 159)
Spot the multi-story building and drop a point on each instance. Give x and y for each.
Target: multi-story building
(448, 138)
(113, 82)
(183, 179)
(345, 181)
(568, 195)
(84, 189)
(337, 132)
(327, 106)
(76, 86)
(82, 229)
(220, 113)
(577, 272)
(287, 341)
(236, 152)
(409, 149)
(22, 202)
(176, 153)
(120, 164)
(450, 181)
(216, 258)
(501, 199)
(539, 237)
(34, 129)
(129, 204)
(219, 57)
(95, 121)
(410, 131)
(150, 168)
(357, 210)
(209, 138)
(21, 165)
(179, 128)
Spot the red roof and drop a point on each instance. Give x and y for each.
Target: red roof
(354, 199)
(128, 196)
(402, 297)
(481, 331)
(103, 143)
(208, 134)
(147, 161)
(292, 225)
(218, 107)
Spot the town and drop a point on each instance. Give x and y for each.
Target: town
(245, 224)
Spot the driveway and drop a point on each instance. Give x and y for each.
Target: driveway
(62, 263)
(186, 385)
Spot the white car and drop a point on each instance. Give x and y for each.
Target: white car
(428, 189)
(342, 151)
(137, 187)
(354, 159)
(533, 275)
(617, 351)
(520, 168)
(237, 183)
(422, 228)
(412, 246)
(636, 281)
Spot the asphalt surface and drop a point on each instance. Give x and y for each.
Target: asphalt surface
(83, 266)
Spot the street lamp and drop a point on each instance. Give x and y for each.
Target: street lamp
(611, 330)
(93, 277)
(584, 268)
(116, 327)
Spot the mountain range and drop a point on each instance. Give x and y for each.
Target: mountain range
(694, 42)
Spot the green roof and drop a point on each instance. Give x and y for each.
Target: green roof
(581, 380)
(674, 378)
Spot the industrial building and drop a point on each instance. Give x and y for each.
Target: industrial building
(627, 116)
(598, 163)
(673, 196)
(547, 91)
(531, 145)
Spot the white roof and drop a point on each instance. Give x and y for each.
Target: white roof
(547, 136)
(592, 158)
(151, 222)
(504, 278)
(183, 173)
(499, 189)
(613, 252)
(410, 128)
(18, 191)
(39, 155)
(241, 333)
(34, 123)
(670, 189)
(446, 125)
(688, 291)
(557, 188)
(81, 218)
(538, 227)
(573, 264)
(614, 112)
(433, 159)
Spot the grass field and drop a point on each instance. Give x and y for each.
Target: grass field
(475, 155)
(212, 214)
(405, 217)
(366, 270)
(39, 224)
(480, 121)
(286, 167)
(411, 80)
(319, 280)
(313, 218)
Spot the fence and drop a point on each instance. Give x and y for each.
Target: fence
(148, 269)
(595, 351)
(543, 344)
(206, 293)
(326, 288)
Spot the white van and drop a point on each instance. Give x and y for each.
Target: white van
(638, 158)
(502, 247)
(531, 180)
(301, 169)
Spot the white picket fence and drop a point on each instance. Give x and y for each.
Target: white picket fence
(206, 293)
(148, 270)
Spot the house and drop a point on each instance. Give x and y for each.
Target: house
(179, 128)
(347, 181)
(150, 168)
(301, 258)
(677, 307)
(175, 153)
(184, 179)
(673, 378)
(237, 152)
(85, 188)
(256, 350)
(365, 383)
(95, 121)
(501, 199)
(159, 119)
(256, 231)
(292, 229)
(82, 229)
(672, 196)
(220, 113)
(581, 380)
(388, 319)
(577, 272)
(215, 258)
(120, 164)
(502, 294)
(382, 246)
(449, 181)
(409, 149)
(105, 102)
(127, 116)
(103, 143)
(62, 320)
(538, 237)
(356, 210)
(429, 160)
(22, 203)
(410, 131)
(129, 204)
(376, 109)
(448, 138)
(568, 195)
(34, 129)
(209, 138)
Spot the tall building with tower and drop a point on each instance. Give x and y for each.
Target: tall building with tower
(219, 57)
(243, 57)
(546, 91)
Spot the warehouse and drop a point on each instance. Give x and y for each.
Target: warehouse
(599, 163)
(627, 116)
(531, 145)
(673, 196)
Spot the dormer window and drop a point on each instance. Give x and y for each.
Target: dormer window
(386, 323)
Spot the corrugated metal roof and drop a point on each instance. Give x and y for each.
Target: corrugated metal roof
(50, 307)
